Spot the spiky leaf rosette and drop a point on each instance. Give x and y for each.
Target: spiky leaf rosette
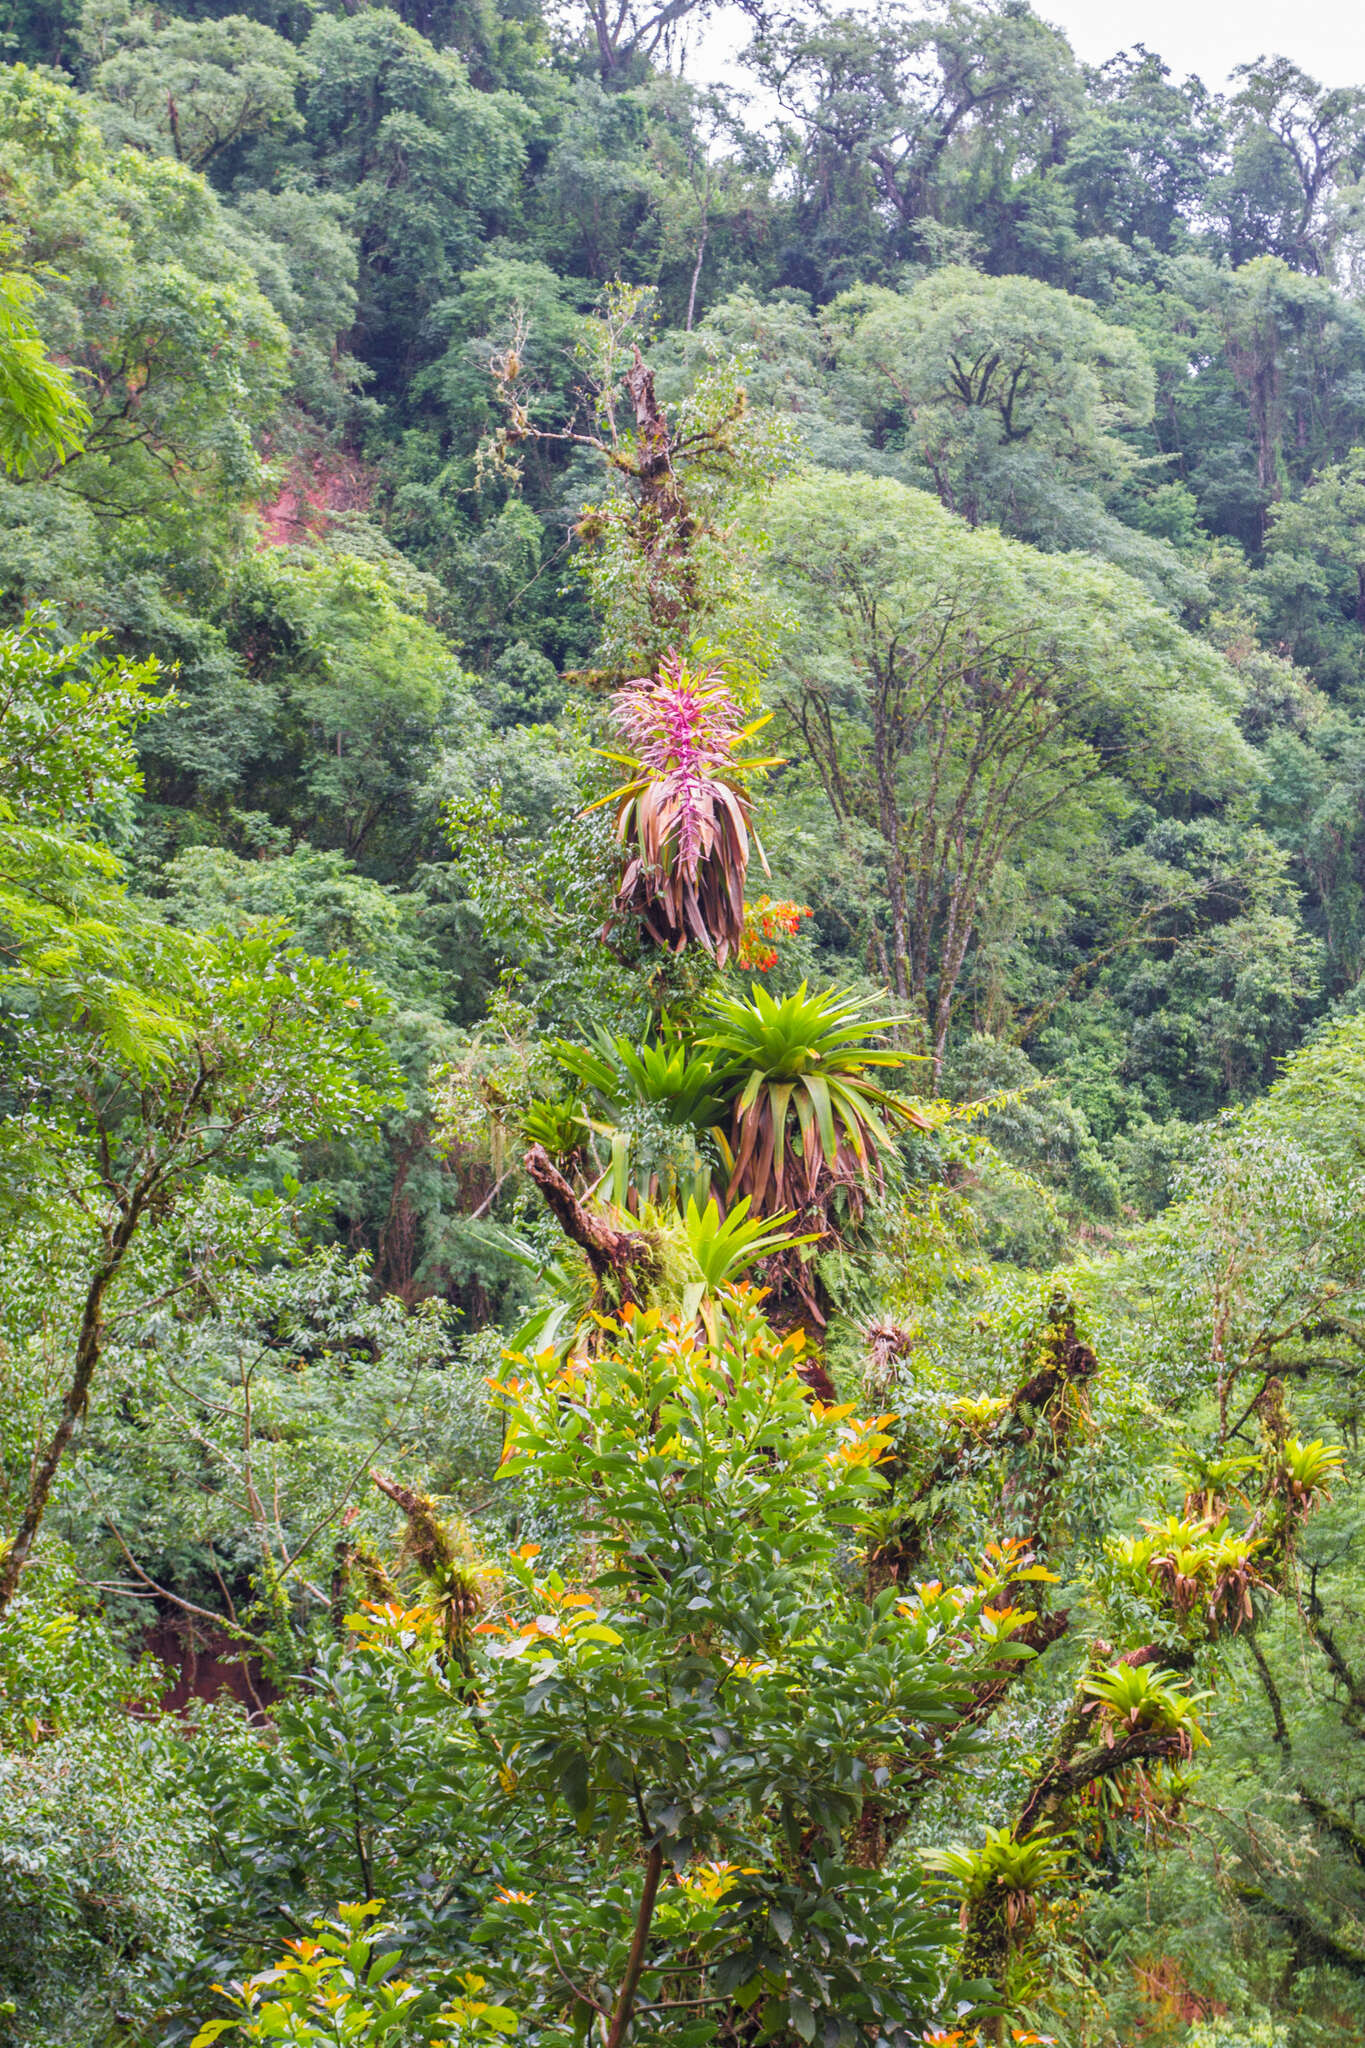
(684, 815)
(806, 1117)
(672, 1076)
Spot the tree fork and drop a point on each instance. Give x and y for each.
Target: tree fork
(1063, 1779)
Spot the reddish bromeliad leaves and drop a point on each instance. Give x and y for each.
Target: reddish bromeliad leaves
(685, 814)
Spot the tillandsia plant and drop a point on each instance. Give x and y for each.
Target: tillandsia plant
(654, 1103)
(1006, 1889)
(1306, 1470)
(685, 813)
(671, 1075)
(1130, 1698)
(1204, 1574)
(698, 1256)
(1012, 1873)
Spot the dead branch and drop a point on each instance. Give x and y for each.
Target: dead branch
(615, 1256)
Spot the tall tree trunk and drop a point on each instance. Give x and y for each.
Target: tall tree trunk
(89, 1348)
(701, 247)
(630, 1983)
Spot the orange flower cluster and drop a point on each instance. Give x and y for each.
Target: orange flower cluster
(764, 922)
(955, 2037)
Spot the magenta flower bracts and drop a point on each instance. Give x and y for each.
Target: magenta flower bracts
(684, 816)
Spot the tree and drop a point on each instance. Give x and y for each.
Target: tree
(1327, 521)
(1125, 1726)
(303, 252)
(1254, 1284)
(626, 38)
(42, 415)
(269, 1044)
(35, 33)
(386, 666)
(92, 1789)
(891, 118)
(432, 168)
(997, 388)
(1139, 160)
(953, 693)
(664, 1746)
(361, 680)
(180, 356)
(140, 1060)
(666, 560)
(199, 88)
(1283, 334)
(71, 942)
(1295, 146)
(250, 1406)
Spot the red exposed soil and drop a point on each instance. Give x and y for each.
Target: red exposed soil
(206, 1663)
(316, 486)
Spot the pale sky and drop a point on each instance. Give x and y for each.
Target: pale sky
(1326, 38)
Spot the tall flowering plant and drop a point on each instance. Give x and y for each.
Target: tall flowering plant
(685, 815)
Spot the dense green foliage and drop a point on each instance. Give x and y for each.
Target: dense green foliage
(682, 906)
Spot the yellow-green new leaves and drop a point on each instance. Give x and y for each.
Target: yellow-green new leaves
(342, 1990)
(71, 942)
(42, 414)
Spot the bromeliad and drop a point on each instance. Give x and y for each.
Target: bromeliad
(685, 813)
